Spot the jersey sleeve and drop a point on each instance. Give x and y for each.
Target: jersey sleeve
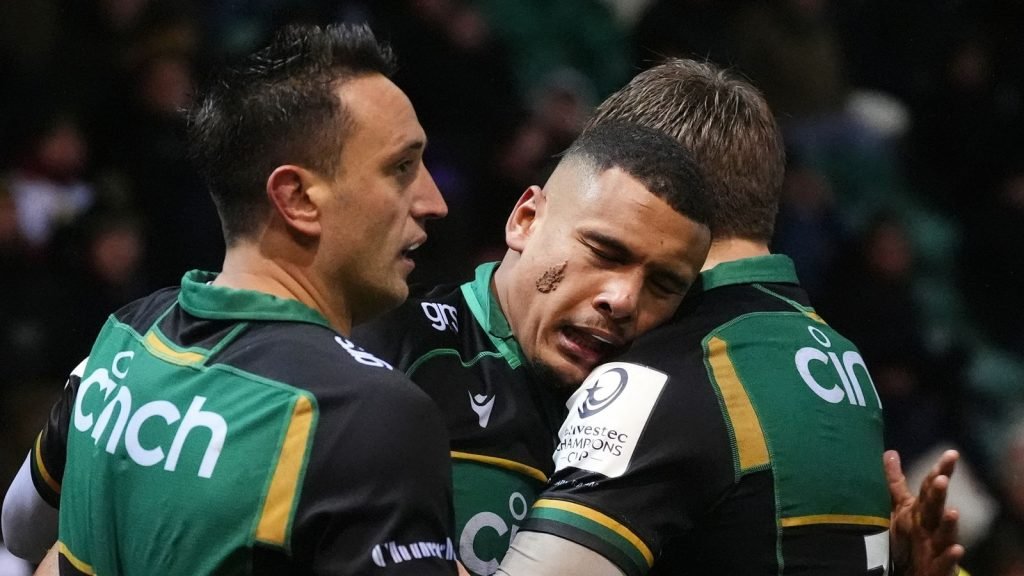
(377, 492)
(49, 452)
(620, 488)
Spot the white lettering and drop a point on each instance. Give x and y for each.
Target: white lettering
(148, 456)
(441, 315)
(126, 355)
(360, 355)
(196, 418)
(128, 424)
(466, 551)
(123, 401)
(804, 356)
(852, 360)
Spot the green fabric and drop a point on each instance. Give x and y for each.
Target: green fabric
(490, 504)
(488, 314)
(167, 431)
(200, 298)
(834, 391)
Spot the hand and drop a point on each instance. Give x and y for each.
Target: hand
(923, 530)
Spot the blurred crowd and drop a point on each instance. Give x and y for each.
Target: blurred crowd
(904, 124)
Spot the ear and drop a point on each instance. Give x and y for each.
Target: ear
(292, 191)
(528, 211)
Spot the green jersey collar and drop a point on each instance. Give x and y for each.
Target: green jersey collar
(201, 298)
(488, 314)
(774, 268)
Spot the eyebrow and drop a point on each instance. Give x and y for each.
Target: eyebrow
(619, 250)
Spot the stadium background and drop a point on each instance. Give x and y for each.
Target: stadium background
(903, 205)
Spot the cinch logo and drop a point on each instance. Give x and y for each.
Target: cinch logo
(604, 391)
(127, 424)
(442, 316)
(849, 384)
(517, 508)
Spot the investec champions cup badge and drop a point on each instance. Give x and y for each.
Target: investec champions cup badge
(605, 390)
(607, 416)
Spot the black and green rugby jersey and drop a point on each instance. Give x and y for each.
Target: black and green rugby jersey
(744, 437)
(455, 344)
(219, 431)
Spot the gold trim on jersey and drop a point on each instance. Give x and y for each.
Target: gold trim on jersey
(41, 466)
(606, 521)
(74, 560)
(503, 463)
(835, 519)
(277, 509)
(746, 427)
(160, 348)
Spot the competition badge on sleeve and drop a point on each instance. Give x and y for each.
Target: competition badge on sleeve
(606, 418)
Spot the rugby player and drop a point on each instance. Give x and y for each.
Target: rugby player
(745, 435)
(230, 426)
(603, 252)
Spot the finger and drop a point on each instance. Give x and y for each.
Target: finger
(932, 501)
(898, 489)
(945, 535)
(946, 562)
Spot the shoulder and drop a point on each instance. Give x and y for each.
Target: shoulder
(420, 324)
(143, 312)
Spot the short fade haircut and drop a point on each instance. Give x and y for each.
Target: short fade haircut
(728, 127)
(657, 161)
(278, 106)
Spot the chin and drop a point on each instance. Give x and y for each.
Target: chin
(565, 377)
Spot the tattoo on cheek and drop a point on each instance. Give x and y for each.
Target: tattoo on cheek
(551, 278)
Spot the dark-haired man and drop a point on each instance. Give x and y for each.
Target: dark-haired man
(603, 252)
(231, 426)
(744, 436)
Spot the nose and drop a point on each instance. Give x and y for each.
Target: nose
(618, 297)
(428, 204)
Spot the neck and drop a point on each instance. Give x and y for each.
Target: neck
(730, 249)
(250, 266)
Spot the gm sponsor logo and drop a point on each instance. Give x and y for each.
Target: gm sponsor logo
(845, 382)
(441, 316)
(124, 420)
(607, 415)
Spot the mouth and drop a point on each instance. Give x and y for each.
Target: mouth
(410, 248)
(590, 347)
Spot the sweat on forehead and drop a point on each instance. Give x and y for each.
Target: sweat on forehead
(656, 160)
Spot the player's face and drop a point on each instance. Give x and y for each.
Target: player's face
(601, 260)
(382, 196)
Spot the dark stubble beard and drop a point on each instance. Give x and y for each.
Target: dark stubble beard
(543, 373)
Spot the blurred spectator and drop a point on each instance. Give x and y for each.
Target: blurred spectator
(808, 228)
(47, 182)
(695, 29)
(28, 323)
(181, 225)
(1001, 553)
(103, 272)
(994, 263)
(870, 299)
(548, 35)
(457, 72)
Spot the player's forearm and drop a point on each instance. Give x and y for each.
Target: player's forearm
(29, 523)
(539, 554)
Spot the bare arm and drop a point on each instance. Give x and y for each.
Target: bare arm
(29, 523)
(49, 565)
(923, 529)
(539, 554)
